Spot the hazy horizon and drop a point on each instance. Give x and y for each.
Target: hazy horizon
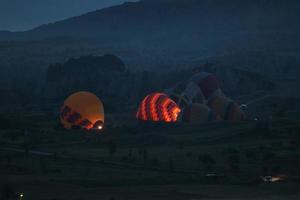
(16, 15)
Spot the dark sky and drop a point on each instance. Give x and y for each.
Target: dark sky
(18, 15)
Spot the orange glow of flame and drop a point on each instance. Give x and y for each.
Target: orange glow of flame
(158, 107)
(176, 112)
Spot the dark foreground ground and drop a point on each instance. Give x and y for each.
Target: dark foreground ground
(146, 161)
(41, 188)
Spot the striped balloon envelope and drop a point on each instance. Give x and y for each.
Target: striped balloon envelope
(185, 93)
(208, 85)
(158, 107)
(82, 109)
(197, 113)
(226, 108)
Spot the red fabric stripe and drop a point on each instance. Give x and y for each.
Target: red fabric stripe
(143, 109)
(208, 85)
(65, 110)
(165, 110)
(74, 118)
(67, 113)
(159, 104)
(158, 107)
(153, 106)
(139, 112)
(173, 112)
(149, 112)
(171, 106)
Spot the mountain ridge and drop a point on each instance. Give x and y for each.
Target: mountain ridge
(162, 34)
(144, 16)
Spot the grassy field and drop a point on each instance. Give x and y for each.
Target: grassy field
(150, 161)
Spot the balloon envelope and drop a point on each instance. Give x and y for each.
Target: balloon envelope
(226, 108)
(158, 107)
(185, 93)
(198, 114)
(208, 84)
(83, 109)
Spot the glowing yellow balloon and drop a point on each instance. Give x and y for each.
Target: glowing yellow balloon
(83, 109)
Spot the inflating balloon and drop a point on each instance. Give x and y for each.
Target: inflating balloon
(208, 84)
(185, 93)
(158, 107)
(82, 109)
(226, 108)
(198, 114)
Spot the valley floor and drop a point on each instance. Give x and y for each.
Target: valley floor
(40, 188)
(220, 161)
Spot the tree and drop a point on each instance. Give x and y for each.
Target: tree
(189, 154)
(230, 150)
(234, 162)
(130, 154)
(145, 154)
(43, 166)
(208, 161)
(268, 156)
(8, 192)
(155, 162)
(8, 160)
(112, 148)
(293, 145)
(5, 123)
(171, 164)
(280, 112)
(250, 154)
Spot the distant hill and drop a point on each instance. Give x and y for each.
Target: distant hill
(168, 34)
(86, 66)
(208, 23)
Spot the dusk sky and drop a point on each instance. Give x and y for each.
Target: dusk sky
(16, 15)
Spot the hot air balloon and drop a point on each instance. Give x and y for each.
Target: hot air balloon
(82, 109)
(158, 107)
(198, 114)
(226, 108)
(185, 93)
(208, 84)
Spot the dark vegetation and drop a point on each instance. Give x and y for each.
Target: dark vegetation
(217, 153)
(95, 74)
